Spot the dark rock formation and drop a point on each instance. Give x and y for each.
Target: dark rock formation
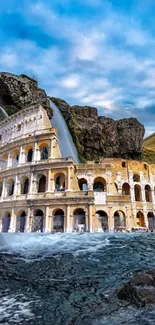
(140, 291)
(18, 92)
(98, 136)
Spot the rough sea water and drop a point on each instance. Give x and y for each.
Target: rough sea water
(72, 278)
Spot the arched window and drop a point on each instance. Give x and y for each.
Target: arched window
(103, 218)
(10, 187)
(38, 221)
(136, 177)
(58, 221)
(126, 189)
(6, 222)
(83, 184)
(26, 186)
(79, 220)
(44, 152)
(99, 185)
(15, 157)
(60, 182)
(21, 221)
(151, 220)
(119, 219)
(138, 194)
(148, 193)
(30, 155)
(42, 184)
(140, 219)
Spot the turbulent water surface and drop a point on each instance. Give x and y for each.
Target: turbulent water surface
(71, 278)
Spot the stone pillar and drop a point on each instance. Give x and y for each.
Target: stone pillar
(90, 182)
(48, 183)
(68, 219)
(111, 220)
(4, 189)
(9, 162)
(143, 193)
(33, 184)
(20, 156)
(52, 184)
(51, 148)
(46, 226)
(12, 222)
(36, 152)
(132, 193)
(1, 224)
(152, 196)
(28, 220)
(68, 178)
(87, 223)
(90, 218)
(17, 190)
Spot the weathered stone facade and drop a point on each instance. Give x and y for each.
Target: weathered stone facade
(41, 191)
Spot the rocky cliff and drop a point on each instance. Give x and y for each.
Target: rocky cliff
(19, 91)
(98, 136)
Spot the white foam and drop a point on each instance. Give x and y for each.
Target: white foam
(15, 308)
(30, 244)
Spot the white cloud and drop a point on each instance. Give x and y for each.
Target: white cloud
(71, 81)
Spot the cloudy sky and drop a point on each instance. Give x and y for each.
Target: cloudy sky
(90, 52)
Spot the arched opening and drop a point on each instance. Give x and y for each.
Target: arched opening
(136, 177)
(140, 219)
(42, 184)
(119, 219)
(148, 193)
(20, 222)
(151, 220)
(58, 221)
(4, 160)
(138, 193)
(103, 218)
(6, 222)
(29, 155)
(99, 185)
(79, 220)
(15, 157)
(10, 187)
(43, 151)
(83, 184)
(25, 186)
(1, 188)
(126, 189)
(38, 221)
(60, 182)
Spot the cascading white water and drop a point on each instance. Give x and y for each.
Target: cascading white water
(66, 144)
(2, 110)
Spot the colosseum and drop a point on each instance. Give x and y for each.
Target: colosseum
(42, 192)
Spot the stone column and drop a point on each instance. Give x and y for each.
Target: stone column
(36, 152)
(68, 221)
(90, 218)
(47, 229)
(48, 183)
(28, 219)
(51, 148)
(4, 189)
(143, 193)
(52, 184)
(12, 222)
(20, 156)
(68, 178)
(1, 224)
(87, 223)
(132, 193)
(111, 220)
(9, 162)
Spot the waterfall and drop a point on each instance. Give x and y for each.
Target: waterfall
(4, 113)
(65, 141)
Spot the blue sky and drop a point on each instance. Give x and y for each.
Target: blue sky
(89, 52)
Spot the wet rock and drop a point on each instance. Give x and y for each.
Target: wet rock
(20, 91)
(98, 136)
(140, 291)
